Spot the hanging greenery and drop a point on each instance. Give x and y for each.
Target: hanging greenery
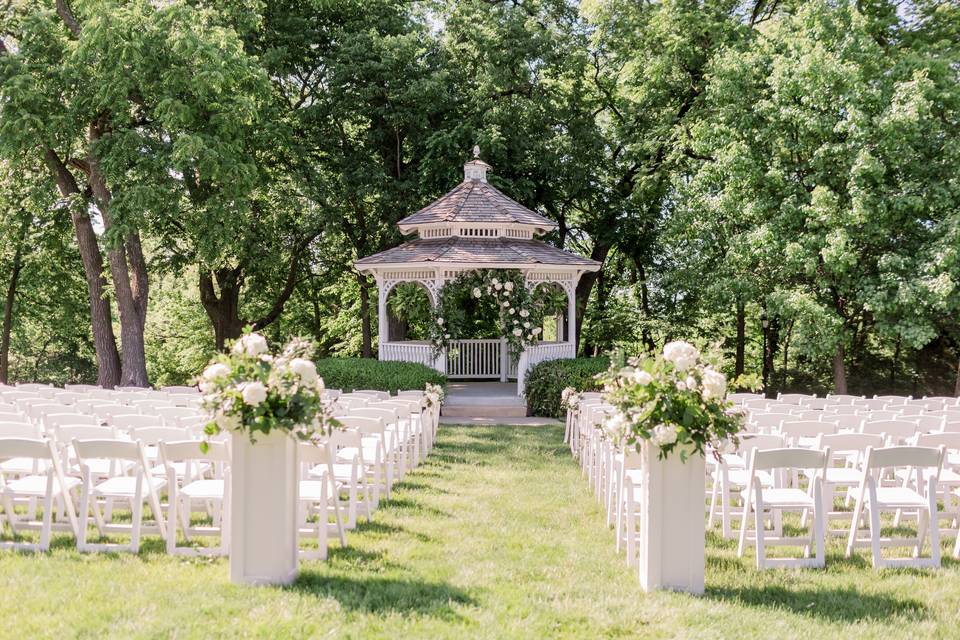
(502, 295)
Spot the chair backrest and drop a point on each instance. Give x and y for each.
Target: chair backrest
(950, 440)
(807, 414)
(909, 456)
(184, 450)
(387, 415)
(927, 405)
(812, 402)
(15, 419)
(362, 424)
(760, 441)
(893, 400)
(404, 408)
(19, 430)
(54, 420)
(792, 398)
(134, 421)
(33, 386)
(847, 443)
(107, 411)
(352, 402)
(805, 428)
(893, 429)
(885, 414)
(153, 435)
(6, 409)
(910, 410)
(411, 393)
(144, 405)
(39, 410)
(927, 423)
(740, 398)
(373, 393)
(24, 447)
(312, 453)
(180, 390)
(951, 425)
(844, 421)
(67, 433)
(81, 387)
(872, 404)
(842, 398)
(770, 420)
(788, 458)
(13, 396)
(106, 449)
(842, 409)
(757, 403)
(68, 397)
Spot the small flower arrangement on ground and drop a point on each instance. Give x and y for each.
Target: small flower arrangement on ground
(252, 391)
(570, 399)
(434, 394)
(674, 400)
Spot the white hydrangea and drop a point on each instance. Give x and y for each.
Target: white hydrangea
(476, 292)
(497, 286)
(494, 281)
(663, 434)
(216, 370)
(252, 344)
(305, 370)
(440, 321)
(714, 384)
(518, 332)
(682, 354)
(615, 426)
(512, 311)
(526, 325)
(254, 393)
(537, 331)
(691, 383)
(641, 377)
(524, 313)
(508, 286)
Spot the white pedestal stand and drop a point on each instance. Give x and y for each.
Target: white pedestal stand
(264, 486)
(672, 544)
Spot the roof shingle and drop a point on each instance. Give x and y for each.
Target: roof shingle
(474, 251)
(476, 201)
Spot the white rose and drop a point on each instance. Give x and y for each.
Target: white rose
(724, 446)
(663, 434)
(641, 377)
(506, 304)
(446, 336)
(714, 384)
(494, 281)
(440, 321)
(526, 325)
(497, 286)
(254, 393)
(536, 331)
(683, 355)
(508, 286)
(305, 369)
(252, 344)
(524, 313)
(681, 386)
(512, 311)
(227, 422)
(216, 370)
(691, 383)
(476, 292)
(518, 332)
(515, 321)
(615, 426)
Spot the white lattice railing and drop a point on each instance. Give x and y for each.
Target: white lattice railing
(475, 358)
(421, 352)
(535, 354)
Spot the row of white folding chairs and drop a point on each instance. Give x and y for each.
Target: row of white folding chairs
(772, 422)
(39, 386)
(877, 401)
(36, 410)
(140, 399)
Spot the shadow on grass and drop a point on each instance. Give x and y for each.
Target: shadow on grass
(385, 595)
(840, 605)
(408, 503)
(383, 529)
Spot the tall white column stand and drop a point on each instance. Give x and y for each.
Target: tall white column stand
(672, 528)
(264, 485)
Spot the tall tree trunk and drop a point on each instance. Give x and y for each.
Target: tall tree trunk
(956, 387)
(15, 270)
(223, 310)
(646, 336)
(129, 279)
(839, 370)
(738, 365)
(893, 365)
(101, 317)
(365, 327)
(585, 286)
(771, 339)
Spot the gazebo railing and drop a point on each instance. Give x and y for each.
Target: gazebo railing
(537, 353)
(421, 352)
(482, 358)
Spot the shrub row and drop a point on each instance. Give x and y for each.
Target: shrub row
(365, 373)
(547, 380)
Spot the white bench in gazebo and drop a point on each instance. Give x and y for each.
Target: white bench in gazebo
(475, 226)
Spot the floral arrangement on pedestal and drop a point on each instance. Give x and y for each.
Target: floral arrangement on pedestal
(253, 391)
(519, 311)
(570, 399)
(434, 394)
(675, 400)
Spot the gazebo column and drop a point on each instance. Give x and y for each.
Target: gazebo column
(383, 323)
(572, 316)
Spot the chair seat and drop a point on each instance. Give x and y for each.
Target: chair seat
(842, 476)
(125, 486)
(206, 489)
(37, 486)
(311, 490)
(894, 497)
(370, 452)
(341, 472)
(785, 498)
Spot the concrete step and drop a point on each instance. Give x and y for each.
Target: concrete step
(476, 410)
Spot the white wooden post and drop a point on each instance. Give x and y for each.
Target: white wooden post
(672, 537)
(504, 359)
(383, 325)
(572, 315)
(264, 487)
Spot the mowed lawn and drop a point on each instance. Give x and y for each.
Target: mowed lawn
(495, 536)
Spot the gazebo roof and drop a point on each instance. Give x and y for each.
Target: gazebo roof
(458, 251)
(475, 201)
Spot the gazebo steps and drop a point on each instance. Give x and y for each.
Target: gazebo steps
(483, 400)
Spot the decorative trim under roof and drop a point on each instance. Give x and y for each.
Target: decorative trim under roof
(475, 201)
(476, 252)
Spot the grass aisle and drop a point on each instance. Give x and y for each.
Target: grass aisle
(496, 536)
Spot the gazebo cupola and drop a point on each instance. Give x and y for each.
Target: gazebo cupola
(475, 226)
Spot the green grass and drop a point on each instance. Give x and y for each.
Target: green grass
(496, 536)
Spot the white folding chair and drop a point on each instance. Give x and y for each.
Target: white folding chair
(924, 423)
(170, 415)
(186, 467)
(844, 422)
(730, 475)
(896, 431)
(128, 422)
(804, 433)
(778, 498)
(871, 499)
(373, 439)
(52, 486)
(139, 488)
(349, 475)
(769, 422)
(843, 471)
(318, 499)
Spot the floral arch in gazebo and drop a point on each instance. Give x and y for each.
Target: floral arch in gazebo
(478, 238)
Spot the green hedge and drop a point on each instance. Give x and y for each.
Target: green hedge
(364, 373)
(547, 380)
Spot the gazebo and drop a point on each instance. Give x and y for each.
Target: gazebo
(475, 226)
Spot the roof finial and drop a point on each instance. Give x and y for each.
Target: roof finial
(476, 151)
(476, 169)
